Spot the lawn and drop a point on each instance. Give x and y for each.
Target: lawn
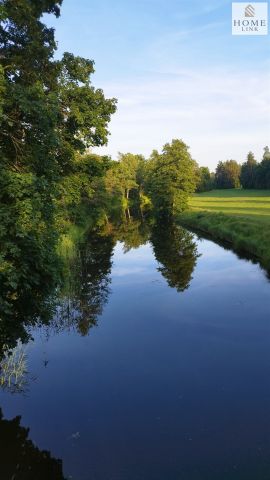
(248, 203)
(240, 217)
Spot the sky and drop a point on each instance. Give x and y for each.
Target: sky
(177, 72)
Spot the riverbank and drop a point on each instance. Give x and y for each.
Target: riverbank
(239, 217)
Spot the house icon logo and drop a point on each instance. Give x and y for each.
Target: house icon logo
(249, 11)
(250, 18)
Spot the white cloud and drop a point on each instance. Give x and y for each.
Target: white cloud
(220, 114)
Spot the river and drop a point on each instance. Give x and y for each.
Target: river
(156, 366)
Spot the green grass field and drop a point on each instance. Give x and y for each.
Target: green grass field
(240, 217)
(248, 203)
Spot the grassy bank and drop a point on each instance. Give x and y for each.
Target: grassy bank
(240, 217)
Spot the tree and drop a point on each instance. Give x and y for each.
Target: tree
(171, 178)
(84, 111)
(266, 154)
(126, 174)
(248, 172)
(83, 190)
(263, 171)
(205, 182)
(228, 174)
(49, 112)
(128, 164)
(28, 145)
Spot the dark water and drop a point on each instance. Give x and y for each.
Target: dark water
(171, 382)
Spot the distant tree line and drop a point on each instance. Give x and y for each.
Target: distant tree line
(254, 174)
(230, 174)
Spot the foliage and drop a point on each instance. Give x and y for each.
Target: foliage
(84, 187)
(205, 180)
(248, 172)
(228, 174)
(84, 113)
(49, 115)
(254, 174)
(171, 178)
(263, 171)
(126, 176)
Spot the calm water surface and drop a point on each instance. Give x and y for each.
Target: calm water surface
(173, 381)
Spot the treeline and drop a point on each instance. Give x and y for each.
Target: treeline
(163, 182)
(230, 174)
(100, 186)
(105, 187)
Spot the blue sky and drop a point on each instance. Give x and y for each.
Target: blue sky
(177, 72)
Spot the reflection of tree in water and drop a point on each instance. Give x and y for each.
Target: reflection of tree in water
(87, 288)
(86, 282)
(176, 252)
(132, 233)
(20, 459)
(27, 309)
(84, 293)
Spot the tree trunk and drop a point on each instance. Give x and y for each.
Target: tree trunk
(127, 212)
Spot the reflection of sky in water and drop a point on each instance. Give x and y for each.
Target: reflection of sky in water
(135, 262)
(168, 385)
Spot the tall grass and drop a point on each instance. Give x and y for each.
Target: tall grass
(13, 369)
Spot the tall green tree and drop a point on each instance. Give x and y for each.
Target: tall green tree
(84, 112)
(127, 173)
(171, 178)
(205, 182)
(248, 172)
(266, 153)
(228, 174)
(263, 171)
(28, 142)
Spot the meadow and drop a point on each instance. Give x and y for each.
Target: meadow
(240, 217)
